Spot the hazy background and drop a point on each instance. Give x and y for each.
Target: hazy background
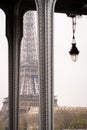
(3, 59)
(70, 78)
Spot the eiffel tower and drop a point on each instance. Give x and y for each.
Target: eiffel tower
(29, 91)
(29, 56)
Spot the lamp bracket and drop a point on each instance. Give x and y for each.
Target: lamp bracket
(71, 15)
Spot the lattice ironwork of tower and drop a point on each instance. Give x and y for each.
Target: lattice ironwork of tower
(29, 56)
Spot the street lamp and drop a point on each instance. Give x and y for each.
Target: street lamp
(74, 50)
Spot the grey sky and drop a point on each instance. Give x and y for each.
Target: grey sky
(3, 60)
(70, 81)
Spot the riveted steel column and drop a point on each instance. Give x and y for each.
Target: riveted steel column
(9, 34)
(14, 34)
(16, 63)
(45, 24)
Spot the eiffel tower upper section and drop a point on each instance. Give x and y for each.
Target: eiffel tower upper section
(29, 56)
(29, 53)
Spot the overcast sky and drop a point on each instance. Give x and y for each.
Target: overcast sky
(3, 60)
(70, 83)
(70, 78)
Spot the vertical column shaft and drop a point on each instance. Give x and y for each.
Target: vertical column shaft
(45, 22)
(16, 63)
(9, 34)
(14, 34)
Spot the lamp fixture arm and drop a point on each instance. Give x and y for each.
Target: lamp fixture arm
(74, 29)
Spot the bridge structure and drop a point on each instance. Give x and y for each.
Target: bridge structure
(28, 76)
